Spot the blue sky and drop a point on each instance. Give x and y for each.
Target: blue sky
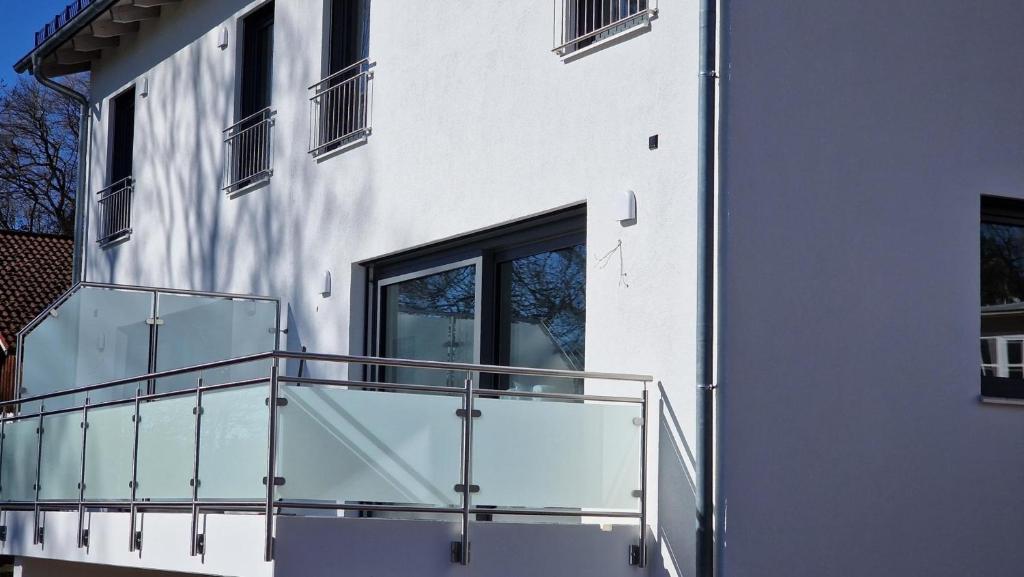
(19, 19)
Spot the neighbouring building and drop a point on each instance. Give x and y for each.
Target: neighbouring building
(594, 287)
(35, 269)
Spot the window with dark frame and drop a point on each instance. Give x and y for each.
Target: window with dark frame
(514, 296)
(1002, 297)
(347, 43)
(115, 201)
(249, 140)
(340, 111)
(257, 60)
(123, 136)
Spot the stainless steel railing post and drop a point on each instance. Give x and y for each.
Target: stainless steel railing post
(268, 546)
(642, 553)
(39, 461)
(198, 410)
(134, 484)
(81, 479)
(467, 470)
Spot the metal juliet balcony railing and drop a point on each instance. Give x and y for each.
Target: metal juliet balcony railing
(249, 151)
(339, 108)
(115, 203)
(581, 23)
(296, 444)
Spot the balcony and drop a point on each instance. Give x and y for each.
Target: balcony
(339, 109)
(115, 204)
(139, 401)
(249, 151)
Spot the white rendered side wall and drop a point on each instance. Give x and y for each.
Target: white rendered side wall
(858, 140)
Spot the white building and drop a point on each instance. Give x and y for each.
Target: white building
(343, 192)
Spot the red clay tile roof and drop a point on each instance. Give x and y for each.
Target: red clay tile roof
(35, 269)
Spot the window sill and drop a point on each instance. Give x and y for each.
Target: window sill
(1000, 401)
(115, 240)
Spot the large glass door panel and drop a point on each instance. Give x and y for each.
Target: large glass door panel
(431, 317)
(542, 317)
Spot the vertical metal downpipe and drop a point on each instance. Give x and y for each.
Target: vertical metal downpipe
(81, 202)
(707, 122)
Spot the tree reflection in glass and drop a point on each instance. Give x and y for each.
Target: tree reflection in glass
(542, 317)
(431, 318)
(1002, 299)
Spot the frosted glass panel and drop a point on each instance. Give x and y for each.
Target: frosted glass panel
(166, 445)
(542, 317)
(200, 329)
(108, 452)
(233, 443)
(340, 445)
(432, 318)
(61, 464)
(97, 335)
(552, 454)
(19, 461)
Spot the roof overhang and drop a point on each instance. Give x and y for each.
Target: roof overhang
(77, 37)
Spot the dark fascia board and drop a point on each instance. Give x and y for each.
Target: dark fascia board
(64, 34)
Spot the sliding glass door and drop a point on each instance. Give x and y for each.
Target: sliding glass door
(515, 298)
(430, 315)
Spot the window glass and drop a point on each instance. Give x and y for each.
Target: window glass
(543, 317)
(433, 318)
(1002, 294)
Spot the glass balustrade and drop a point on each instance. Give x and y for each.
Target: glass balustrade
(338, 444)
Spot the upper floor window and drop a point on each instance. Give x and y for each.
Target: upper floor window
(514, 297)
(115, 201)
(339, 103)
(582, 23)
(1002, 298)
(248, 142)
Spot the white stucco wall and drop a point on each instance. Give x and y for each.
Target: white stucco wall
(475, 123)
(857, 142)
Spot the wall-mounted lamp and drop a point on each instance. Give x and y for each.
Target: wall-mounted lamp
(144, 87)
(627, 209)
(326, 292)
(222, 37)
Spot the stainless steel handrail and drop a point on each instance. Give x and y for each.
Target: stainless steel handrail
(272, 505)
(265, 112)
(334, 75)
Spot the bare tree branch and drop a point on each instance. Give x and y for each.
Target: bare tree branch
(38, 157)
